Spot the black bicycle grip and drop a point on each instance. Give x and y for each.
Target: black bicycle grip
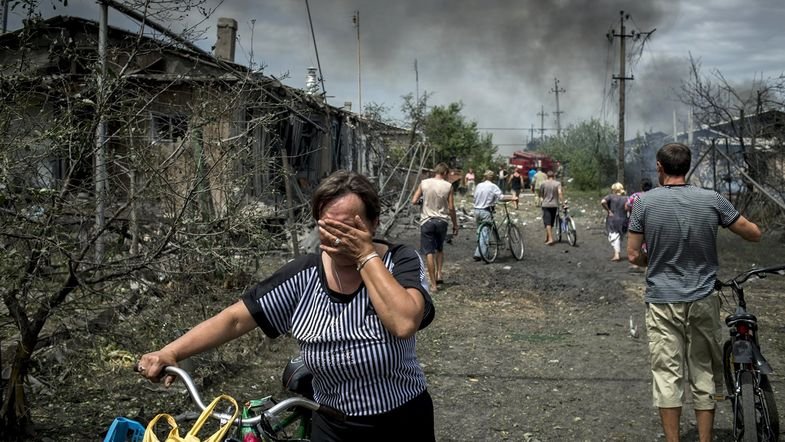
(332, 413)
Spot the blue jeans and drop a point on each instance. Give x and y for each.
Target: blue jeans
(481, 216)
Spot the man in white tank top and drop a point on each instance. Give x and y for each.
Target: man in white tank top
(438, 207)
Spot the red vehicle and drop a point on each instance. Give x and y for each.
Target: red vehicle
(529, 160)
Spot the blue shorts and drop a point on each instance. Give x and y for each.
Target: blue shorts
(432, 236)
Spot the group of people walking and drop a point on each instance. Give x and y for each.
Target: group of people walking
(548, 194)
(355, 306)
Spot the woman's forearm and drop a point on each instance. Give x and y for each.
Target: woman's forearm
(399, 309)
(231, 323)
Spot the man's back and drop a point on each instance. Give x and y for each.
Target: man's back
(486, 194)
(550, 193)
(679, 224)
(435, 196)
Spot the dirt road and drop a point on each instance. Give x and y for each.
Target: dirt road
(542, 350)
(533, 350)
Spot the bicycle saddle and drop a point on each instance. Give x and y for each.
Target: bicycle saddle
(740, 317)
(297, 378)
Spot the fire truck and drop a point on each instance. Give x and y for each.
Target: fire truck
(528, 159)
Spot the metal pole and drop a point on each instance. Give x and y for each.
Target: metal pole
(100, 136)
(359, 65)
(727, 157)
(714, 164)
(620, 154)
(4, 10)
(556, 89)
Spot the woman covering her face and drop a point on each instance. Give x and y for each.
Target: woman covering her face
(354, 309)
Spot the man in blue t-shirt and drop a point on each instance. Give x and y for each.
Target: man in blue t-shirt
(678, 223)
(531, 174)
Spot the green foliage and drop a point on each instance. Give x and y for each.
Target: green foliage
(586, 152)
(458, 142)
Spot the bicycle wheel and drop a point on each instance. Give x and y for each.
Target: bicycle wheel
(747, 404)
(728, 369)
(515, 240)
(488, 242)
(770, 432)
(557, 228)
(572, 234)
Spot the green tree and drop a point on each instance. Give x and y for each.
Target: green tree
(457, 141)
(586, 150)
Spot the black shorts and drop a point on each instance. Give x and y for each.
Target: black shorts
(432, 236)
(548, 216)
(412, 421)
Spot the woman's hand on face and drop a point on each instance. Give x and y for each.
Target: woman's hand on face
(346, 239)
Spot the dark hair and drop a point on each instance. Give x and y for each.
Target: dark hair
(550, 174)
(343, 182)
(645, 184)
(675, 159)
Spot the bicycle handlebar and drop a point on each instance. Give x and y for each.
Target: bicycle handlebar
(743, 277)
(273, 412)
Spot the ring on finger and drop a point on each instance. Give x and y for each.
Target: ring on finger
(336, 242)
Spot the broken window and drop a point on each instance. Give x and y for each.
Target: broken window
(169, 127)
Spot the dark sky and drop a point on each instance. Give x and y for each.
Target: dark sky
(500, 58)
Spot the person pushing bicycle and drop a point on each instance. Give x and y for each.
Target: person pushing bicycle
(486, 195)
(354, 309)
(550, 194)
(678, 223)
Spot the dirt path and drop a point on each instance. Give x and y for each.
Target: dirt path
(541, 349)
(533, 350)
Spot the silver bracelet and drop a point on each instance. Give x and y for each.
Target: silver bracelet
(365, 260)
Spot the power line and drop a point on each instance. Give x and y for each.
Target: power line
(622, 77)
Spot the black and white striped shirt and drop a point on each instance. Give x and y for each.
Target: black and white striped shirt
(679, 226)
(359, 367)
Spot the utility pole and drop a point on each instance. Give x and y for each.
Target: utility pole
(556, 89)
(356, 21)
(4, 20)
(542, 116)
(622, 78)
(531, 134)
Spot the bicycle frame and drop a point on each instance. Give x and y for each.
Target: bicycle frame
(563, 224)
(745, 368)
(744, 336)
(500, 233)
(273, 419)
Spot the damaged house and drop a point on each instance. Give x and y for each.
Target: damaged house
(136, 163)
(169, 116)
(731, 157)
